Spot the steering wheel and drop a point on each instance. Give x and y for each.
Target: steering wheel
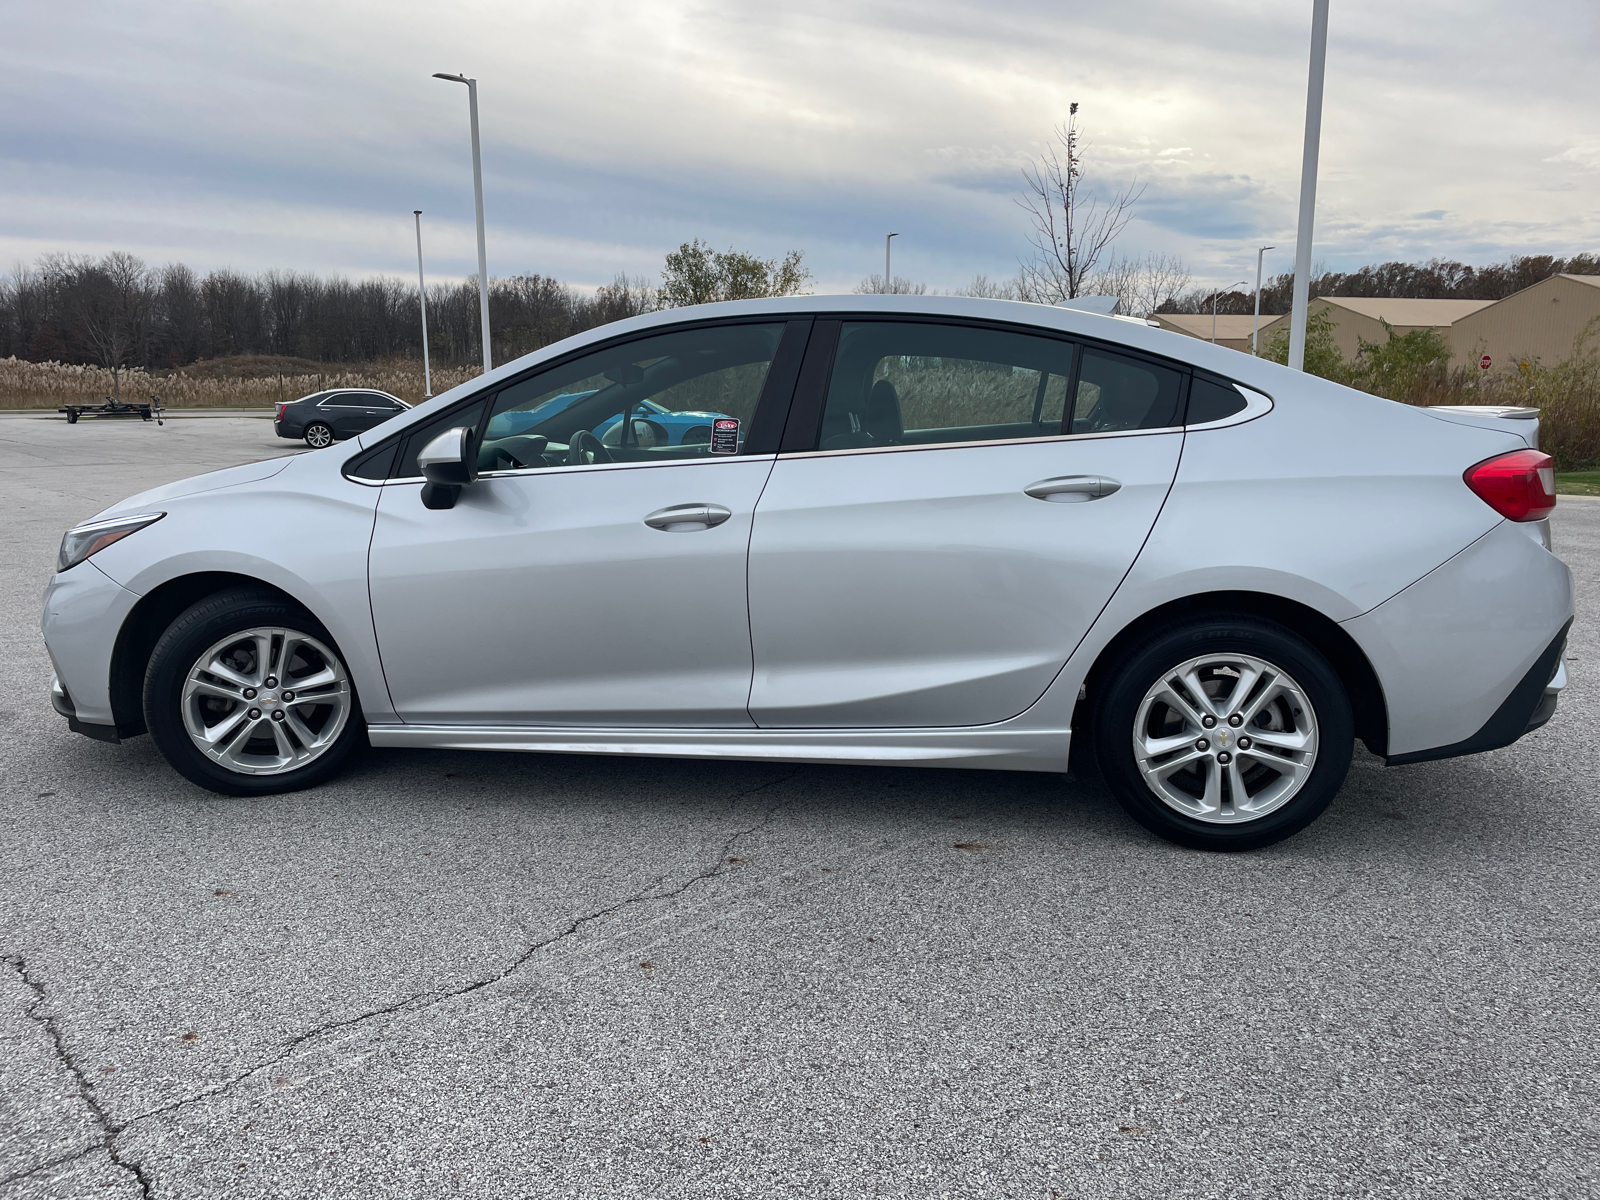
(585, 449)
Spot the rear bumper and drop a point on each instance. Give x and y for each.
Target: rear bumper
(285, 430)
(1531, 703)
(1467, 653)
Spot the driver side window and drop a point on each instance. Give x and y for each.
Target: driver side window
(685, 394)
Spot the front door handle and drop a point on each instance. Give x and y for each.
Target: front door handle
(687, 518)
(1072, 489)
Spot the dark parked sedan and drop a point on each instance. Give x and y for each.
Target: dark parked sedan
(323, 418)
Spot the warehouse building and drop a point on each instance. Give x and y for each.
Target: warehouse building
(1232, 332)
(1542, 323)
(1358, 318)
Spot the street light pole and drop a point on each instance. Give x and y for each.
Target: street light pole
(422, 299)
(1255, 331)
(1214, 294)
(477, 196)
(1308, 184)
(888, 279)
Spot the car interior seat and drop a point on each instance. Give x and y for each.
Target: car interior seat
(877, 421)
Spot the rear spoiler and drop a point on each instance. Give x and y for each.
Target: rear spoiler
(1492, 416)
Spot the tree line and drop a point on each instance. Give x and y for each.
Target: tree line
(117, 312)
(1436, 279)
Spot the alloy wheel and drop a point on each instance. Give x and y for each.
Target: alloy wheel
(1225, 738)
(318, 436)
(265, 701)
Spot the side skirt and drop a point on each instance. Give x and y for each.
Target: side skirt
(987, 749)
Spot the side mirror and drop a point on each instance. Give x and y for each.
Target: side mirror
(447, 467)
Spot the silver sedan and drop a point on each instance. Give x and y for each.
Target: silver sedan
(919, 530)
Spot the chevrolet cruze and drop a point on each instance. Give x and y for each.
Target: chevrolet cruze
(919, 530)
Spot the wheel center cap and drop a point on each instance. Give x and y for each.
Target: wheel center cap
(267, 698)
(1223, 737)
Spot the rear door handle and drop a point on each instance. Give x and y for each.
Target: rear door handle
(687, 518)
(1072, 489)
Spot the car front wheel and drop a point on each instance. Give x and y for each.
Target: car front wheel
(318, 435)
(1227, 733)
(245, 694)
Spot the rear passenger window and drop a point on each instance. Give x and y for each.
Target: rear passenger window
(903, 383)
(1117, 393)
(1209, 401)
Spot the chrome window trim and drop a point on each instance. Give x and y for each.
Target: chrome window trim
(1021, 441)
(1257, 404)
(527, 472)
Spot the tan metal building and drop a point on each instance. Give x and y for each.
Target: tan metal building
(1541, 323)
(1358, 318)
(1232, 332)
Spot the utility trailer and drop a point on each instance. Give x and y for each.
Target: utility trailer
(115, 408)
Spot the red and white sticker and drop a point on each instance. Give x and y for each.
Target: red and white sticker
(725, 435)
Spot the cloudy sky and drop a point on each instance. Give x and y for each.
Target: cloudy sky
(301, 135)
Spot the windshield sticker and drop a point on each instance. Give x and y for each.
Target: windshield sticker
(725, 435)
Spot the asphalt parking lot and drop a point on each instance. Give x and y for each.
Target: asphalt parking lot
(456, 974)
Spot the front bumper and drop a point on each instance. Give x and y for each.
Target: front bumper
(62, 703)
(84, 611)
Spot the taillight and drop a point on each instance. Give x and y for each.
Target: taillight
(282, 404)
(1520, 486)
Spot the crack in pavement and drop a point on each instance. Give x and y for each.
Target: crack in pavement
(109, 1131)
(416, 1003)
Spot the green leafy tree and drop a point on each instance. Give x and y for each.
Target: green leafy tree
(697, 274)
(1322, 355)
(1402, 366)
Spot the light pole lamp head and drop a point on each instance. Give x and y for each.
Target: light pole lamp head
(454, 78)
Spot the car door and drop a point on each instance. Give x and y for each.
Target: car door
(930, 550)
(345, 412)
(576, 583)
(376, 409)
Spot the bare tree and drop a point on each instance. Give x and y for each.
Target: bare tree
(1071, 228)
(984, 288)
(1142, 285)
(872, 285)
(109, 305)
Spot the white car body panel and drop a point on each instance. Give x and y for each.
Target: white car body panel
(1349, 505)
(543, 598)
(907, 588)
(304, 529)
(1270, 505)
(1444, 644)
(83, 610)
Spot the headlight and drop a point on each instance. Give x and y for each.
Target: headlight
(78, 544)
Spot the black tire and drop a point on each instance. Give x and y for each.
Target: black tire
(72, 417)
(1140, 667)
(318, 435)
(178, 650)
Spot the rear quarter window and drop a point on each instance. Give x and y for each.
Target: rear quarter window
(1212, 400)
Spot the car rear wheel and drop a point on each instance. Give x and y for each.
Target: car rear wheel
(1227, 733)
(318, 435)
(246, 694)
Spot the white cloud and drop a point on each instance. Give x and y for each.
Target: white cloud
(303, 134)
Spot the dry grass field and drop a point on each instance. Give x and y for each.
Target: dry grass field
(249, 381)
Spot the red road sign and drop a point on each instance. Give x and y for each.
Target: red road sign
(1484, 362)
